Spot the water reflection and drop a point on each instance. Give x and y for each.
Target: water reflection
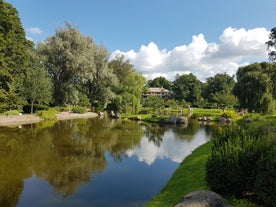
(169, 142)
(68, 154)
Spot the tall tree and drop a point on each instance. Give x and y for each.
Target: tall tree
(218, 89)
(37, 86)
(161, 82)
(67, 55)
(130, 85)
(188, 88)
(99, 79)
(254, 88)
(14, 55)
(271, 45)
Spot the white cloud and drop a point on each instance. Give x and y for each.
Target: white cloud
(34, 30)
(201, 58)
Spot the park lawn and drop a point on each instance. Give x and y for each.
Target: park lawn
(190, 176)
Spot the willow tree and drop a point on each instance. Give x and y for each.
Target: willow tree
(130, 85)
(98, 79)
(254, 87)
(67, 55)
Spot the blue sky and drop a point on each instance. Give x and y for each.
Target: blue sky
(157, 34)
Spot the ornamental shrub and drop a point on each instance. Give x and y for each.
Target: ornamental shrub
(79, 109)
(233, 158)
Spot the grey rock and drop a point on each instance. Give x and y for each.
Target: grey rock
(203, 198)
(182, 120)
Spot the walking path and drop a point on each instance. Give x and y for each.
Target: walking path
(11, 120)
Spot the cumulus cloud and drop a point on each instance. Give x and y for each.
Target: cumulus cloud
(34, 30)
(199, 57)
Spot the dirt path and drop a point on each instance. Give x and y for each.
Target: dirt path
(12, 120)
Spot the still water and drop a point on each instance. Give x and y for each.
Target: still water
(91, 162)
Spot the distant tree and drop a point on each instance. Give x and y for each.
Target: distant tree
(161, 82)
(187, 88)
(218, 90)
(271, 45)
(14, 55)
(254, 87)
(154, 102)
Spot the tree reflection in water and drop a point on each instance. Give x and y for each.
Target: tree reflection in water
(68, 153)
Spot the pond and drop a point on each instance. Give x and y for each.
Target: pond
(91, 162)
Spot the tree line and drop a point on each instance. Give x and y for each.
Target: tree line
(69, 68)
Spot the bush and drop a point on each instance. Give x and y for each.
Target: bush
(80, 110)
(242, 163)
(36, 107)
(12, 112)
(265, 183)
(47, 115)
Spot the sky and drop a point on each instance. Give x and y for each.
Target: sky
(162, 37)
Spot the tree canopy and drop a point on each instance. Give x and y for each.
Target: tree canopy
(271, 45)
(254, 87)
(188, 88)
(14, 56)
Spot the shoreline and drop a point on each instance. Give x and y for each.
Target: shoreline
(15, 120)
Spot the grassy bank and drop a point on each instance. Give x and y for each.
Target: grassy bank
(189, 176)
(155, 117)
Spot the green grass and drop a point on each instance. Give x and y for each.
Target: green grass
(190, 176)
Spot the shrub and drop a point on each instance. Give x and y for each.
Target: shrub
(12, 112)
(242, 163)
(36, 107)
(80, 110)
(265, 183)
(47, 115)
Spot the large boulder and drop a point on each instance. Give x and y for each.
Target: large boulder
(182, 120)
(203, 198)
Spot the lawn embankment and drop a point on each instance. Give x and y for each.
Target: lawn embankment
(189, 176)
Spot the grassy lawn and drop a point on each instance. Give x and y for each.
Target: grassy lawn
(189, 176)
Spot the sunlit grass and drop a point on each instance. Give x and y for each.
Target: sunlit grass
(190, 176)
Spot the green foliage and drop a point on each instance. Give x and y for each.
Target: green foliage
(79, 109)
(160, 82)
(47, 115)
(36, 107)
(255, 87)
(129, 87)
(238, 162)
(154, 102)
(271, 45)
(84, 101)
(230, 114)
(218, 89)
(13, 112)
(14, 56)
(265, 184)
(68, 56)
(188, 88)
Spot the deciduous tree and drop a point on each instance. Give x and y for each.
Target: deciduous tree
(188, 88)
(271, 45)
(254, 88)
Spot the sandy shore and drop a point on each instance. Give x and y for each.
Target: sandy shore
(13, 120)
